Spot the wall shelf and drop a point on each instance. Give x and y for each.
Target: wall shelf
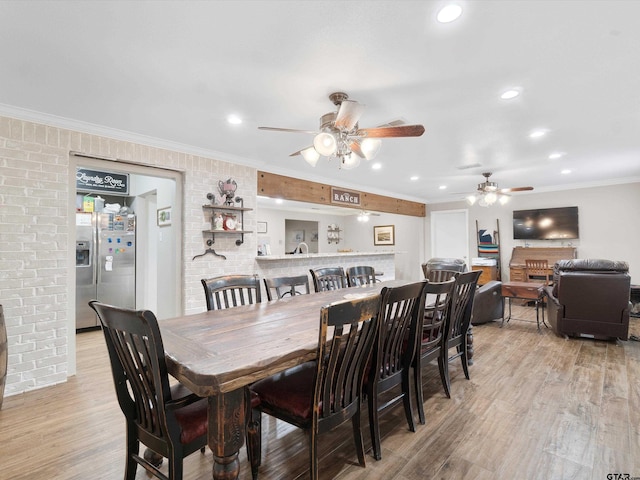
(230, 210)
(333, 234)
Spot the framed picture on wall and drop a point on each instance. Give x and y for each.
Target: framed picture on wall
(164, 217)
(384, 235)
(262, 227)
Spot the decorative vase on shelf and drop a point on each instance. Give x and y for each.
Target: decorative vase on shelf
(228, 189)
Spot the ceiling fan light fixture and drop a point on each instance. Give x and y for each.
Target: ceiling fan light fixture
(490, 198)
(310, 155)
(325, 144)
(370, 147)
(349, 161)
(471, 199)
(504, 199)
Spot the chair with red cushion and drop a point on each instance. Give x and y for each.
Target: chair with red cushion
(283, 286)
(433, 336)
(171, 421)
(461, 307)
(231, 291)
(401, 314)
(318, 396)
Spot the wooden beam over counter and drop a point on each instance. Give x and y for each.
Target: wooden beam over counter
(288, 188)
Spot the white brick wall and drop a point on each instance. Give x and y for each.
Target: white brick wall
(36, 219)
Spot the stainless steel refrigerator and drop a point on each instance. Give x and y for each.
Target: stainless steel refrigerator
(105, 263)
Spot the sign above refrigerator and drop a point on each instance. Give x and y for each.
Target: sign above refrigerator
(88, 180)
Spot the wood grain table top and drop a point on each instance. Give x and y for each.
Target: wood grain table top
(220, 351)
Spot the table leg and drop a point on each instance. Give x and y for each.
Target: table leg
(508, 316)
(226, 433)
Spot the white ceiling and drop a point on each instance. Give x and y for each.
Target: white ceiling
(175, 70)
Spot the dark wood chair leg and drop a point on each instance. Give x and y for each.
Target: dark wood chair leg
(417, 386)
(470, 344)
(374, 426)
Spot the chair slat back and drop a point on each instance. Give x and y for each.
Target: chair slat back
(138, 366)
(330, 278)
(348, 331)
(437, 313)
(361, 275)
(231, 291)
(286, 286)
(462, 304)
(538, 270)
(437, 276)
(401, 315)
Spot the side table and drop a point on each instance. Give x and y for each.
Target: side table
(526, 291)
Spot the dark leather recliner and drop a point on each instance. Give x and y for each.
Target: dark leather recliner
(488, 304)
(456, 264)
(590, 297)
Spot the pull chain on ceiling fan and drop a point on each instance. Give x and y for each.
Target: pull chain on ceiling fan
(489, 193)
(339, 136)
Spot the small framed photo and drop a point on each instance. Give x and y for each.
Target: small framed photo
(164, 217)
(384, 235)
(262, 227)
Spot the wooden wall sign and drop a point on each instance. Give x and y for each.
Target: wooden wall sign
(288, 188)
(345, 197)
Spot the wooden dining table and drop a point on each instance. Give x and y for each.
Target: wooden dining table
(218, 353)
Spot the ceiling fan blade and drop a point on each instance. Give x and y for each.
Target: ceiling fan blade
(348, 114)
(356, 148)
(386, 132)
(515, 189)
(276, 129)
(392, 123)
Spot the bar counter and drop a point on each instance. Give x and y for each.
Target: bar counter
(299, 263)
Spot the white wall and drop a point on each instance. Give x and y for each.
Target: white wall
(609, 223)
(37, 232)
(356, 236)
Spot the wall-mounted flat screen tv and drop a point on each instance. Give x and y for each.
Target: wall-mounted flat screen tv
(546, 224)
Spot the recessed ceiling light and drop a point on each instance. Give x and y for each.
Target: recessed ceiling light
(449, 13)
(537, 133)
(234, 120)
(376, 166)
(566, 171)
(442, 187)
(279, 201)
(509, 94)
(556, 155)
(414, 178)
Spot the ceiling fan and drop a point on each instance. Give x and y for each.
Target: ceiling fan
(340, 136)
(489, 193)
(363, 215)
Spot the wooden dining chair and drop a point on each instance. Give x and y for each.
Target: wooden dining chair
(439, 276)
(401, 312)
(280, 287)
(432, 337)
(170, 420)
(357, 276)
(231, 291)
(538, 271)
(330, 278)
(319, 395)
(460, 318)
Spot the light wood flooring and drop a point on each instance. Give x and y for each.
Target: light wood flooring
(537, 407)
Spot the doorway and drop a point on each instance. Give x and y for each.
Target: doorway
(450, 234)
(158, 264)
